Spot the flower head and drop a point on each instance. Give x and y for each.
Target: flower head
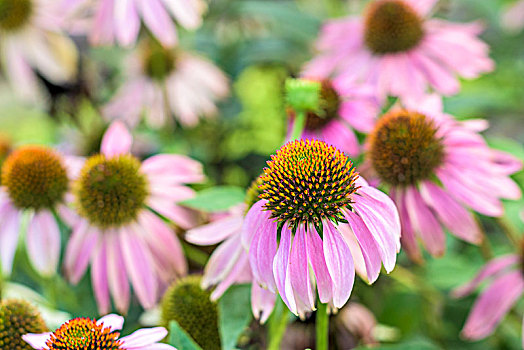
(167, 82)
(35, 182)
(18, 317)
(120, 22)
(396, 49)
(32, 40)
(118, 199)
(316, 216)
(342, 110)
(85, 334)
(190, 306)
(428, 160)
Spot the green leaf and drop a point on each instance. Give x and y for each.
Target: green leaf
(180, 339)
(215, 199)
(234, 314)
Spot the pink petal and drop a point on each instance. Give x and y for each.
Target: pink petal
(222, 261)
(318, 263)
(117, 140)
(99, 277)
(262, 302)
(183, 217)
(262, 253)
(215, 231)
(408, 239)
(299, 273)
(254, 217)
(187, 13)
(9, 232)
(111, 321)
(158, 21)
(144, 337)
(342, 137)
(43, 242)
(172, 169)
(79, 250)
(139, 266)
(103, 26)
(456, 218)
(240, 273)
(492, 268)
(116, 272)
(281, 269)
(37, 341)
(492, 305)
(127, 22)
(424, 222)
(339, 263)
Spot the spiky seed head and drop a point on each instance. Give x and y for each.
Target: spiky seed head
(157, 61)
(392, 26)
(18, 317)
(110, 192)
(307, 181)
(34, 177)
(191, 307)
(404, 148)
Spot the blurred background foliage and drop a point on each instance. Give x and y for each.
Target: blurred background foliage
(258, 44)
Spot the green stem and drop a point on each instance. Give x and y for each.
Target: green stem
(195, 254)
(510, 231)
(298, 125)
(322, 324)
(277, 324)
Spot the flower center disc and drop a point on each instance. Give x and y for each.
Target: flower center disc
(404, 148)
(14, 13)
(307, 181)
(392, 26)
(111, 192)
(17, 317)
(84, 334)
(329, 104)
(34, 178)
(158, 62)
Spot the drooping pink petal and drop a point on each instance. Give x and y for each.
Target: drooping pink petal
(493, 304)
(215, 231)
(117, 140)
(102, 32)
(456, 218)
(254, 217)
(9, 232)
(222, 261)
(424, 223)
(43, 242)
(339, 263)
(299, 273)
(262, 302)
(262, 253)
(239, 274)
(281, 269)
(187, 13)
(99, 276)
(172, 169)
(116, 272)
(158, 21)
(139, 266)
(127, 22)
(111, 321)
(79, 250)
(183, 217)
(318, 262)
(491, 269)
(408, 238)
(342, 137)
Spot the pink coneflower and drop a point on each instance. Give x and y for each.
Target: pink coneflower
(437, 169)
(342, 109)
(505, 289)
(85, 334)
(31, 38)
(396, 49)
(35, 184)
(120, 233)
(229, 263)
(315, 217)
(513, 17)
(165, 82)
(110, 21)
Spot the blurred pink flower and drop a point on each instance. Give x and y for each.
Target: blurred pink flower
(344, 109)
(506, 285)
(513, 17)
(229, 262)
(399, 51)
(110, 21)
(165, 82)
(436, 169)
(35, 181)
(32, 39)
(119, 232)
(360, 321)
(91, 334)
(316, 216)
